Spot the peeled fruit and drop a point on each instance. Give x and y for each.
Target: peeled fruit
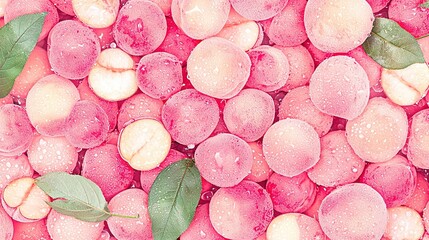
(27, 198)
(113, 77)
(96, 14)
(406, 86)
(144, 144)
(295, 226)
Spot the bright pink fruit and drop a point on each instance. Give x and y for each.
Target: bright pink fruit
(295, 194)
(15, 130)
(159, 75)
(139, 106)
(247, 200)
(339, 87)
(130, 202)
(353, 211)
(297, 104)
(104, 166)
(291, 147)
(224, 160)
(87, 125)
(201, 227)
(258, 9)
(69, 228)
(18, 8)
(249, 121)
(395, 180)
(31, 230)
(338, 164)
(190, 117)
(72, 49)
(140, 27)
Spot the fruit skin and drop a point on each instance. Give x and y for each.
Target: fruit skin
(6, 225)
(140, 27)
(338, 26)
(96, 14)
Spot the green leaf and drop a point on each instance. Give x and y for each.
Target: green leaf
(391, 46)
(173, 199)
(18, 38)
(425, 5)
(76, 196)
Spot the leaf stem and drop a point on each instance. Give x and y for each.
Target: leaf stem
(124, 216)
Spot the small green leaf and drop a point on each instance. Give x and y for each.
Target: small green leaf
(425, 4)
(76, 196)
(173, 199)
(18, 38)
(391, 46)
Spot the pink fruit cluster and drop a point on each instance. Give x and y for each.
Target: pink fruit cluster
(297, 133)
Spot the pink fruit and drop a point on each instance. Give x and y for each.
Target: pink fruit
(6, 225)
(190, 117)
(140, 27)
(301, 66)
(201, 227)
(49, 102)
(338, 26)
(339, 87)
(130, 202)
(269, 70)
(139, 106)
(159, 75)
(247, 200)
(379, 132)
(410, 15)
(353, 211)
(260, 170)
(420, 196)
(297, 104)
(72, 49)
(218, 68)
(249, 121)
(417, 151)
(104, 166)
(15, 130)
(395, 180)
(258, 9)
(52, 154)
(291, 194)
(338, 164)
(200, 19)
(16, 8)
(291, 147)
(87, 125)
(287, 28)
(224, 160)
(176, 42)
(31, 230)
(69, 228)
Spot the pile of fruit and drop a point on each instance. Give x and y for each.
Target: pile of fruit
(214, 119)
